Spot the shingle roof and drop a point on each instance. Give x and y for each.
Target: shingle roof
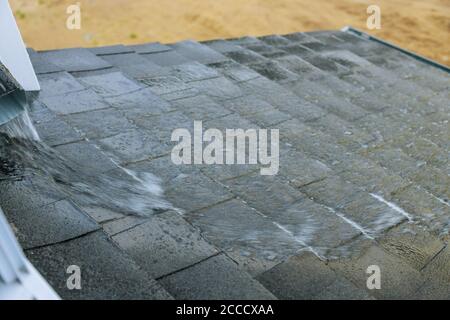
(364, 148)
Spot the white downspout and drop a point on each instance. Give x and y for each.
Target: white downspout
(13, 53)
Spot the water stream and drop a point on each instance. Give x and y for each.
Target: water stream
(23, 154)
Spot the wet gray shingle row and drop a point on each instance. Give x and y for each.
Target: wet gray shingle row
(358, 123)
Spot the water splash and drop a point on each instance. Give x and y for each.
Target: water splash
(22, 154)
(21, 127)
(393, 206)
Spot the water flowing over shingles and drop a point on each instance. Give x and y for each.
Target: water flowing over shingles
(212, 73)
(140, 194)
(361, 158)
(21, 127)
(393, 206)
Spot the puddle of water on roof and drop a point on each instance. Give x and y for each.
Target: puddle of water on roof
(23, 155)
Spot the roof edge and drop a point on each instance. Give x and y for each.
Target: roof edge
(350, 29)
(13, 53)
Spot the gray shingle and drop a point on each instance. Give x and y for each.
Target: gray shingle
(139, 103)
(256, 243)
(115, 49)
(299, 37)
(52, 223)
(315, 46)
(166, 58)
(35, 188)
(54, 131)
(42, 65)
(75, 102)
(244, 40)
(273, 71)
(87, 156)
(107, 273)
(286, 282)
(377, 217)
(162, 125)
(194, 71)
(413, 244)
(275, 40)
(235, 71)
(195, 191)
(400, 280)
(152, 47)
(176, 95)
(164, 244)
(198, 52)
(222, 46)
(343, 289)
(99, 123)
(77, 59)
(134, 145)
(218, 88)
(110, 84)
(296, 49)
(245, 56)
(165, 84)
(120, 224)
(201, 105)
(227, 282)
(58, 84)
(327, 65)
(134, 65)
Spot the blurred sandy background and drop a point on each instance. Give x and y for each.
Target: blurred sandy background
(422, 26)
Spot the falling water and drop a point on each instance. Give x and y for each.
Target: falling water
(23, 154)
(21, 127)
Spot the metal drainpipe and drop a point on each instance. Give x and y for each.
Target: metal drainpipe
(17, 76)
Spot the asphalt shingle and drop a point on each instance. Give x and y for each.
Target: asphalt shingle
(152, 47)
(58, 84)
(115, 49)
(106, 272)
(133, 65)
(226, 282)
(285, 282)
(42, 65)
(256, 243)
(139, 103)
(363, 153)
(87, 156)
(75, 102)
(112, 84)
(50, 224)
(164, 244)
(198, 52)
(98, 123)
(78, 59)
(166, 58)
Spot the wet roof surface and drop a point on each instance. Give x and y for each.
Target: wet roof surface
(11, 96)
(364, 173)
(7, 82)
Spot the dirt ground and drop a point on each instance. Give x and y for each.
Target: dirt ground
(422, 26)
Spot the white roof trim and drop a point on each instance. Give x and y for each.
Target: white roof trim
(13, 53)
(19, 280)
